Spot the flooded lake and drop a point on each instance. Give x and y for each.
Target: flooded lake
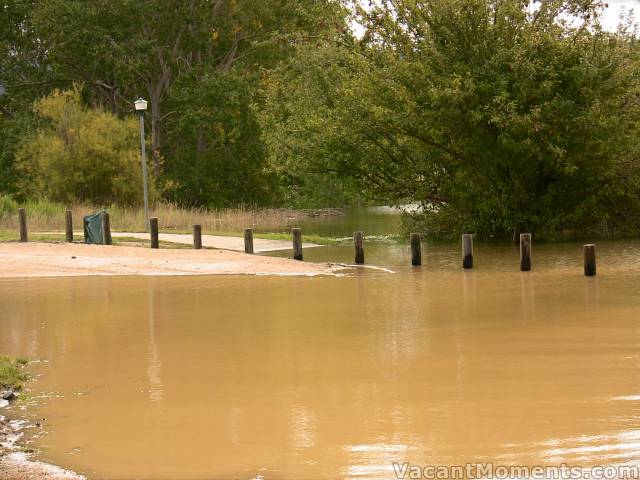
(310, 378)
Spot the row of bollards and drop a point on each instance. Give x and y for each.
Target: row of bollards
(297, 243)
(467, 250)
(248, 241)
(589, 250)
(589, 254)
(197, 237)
(106, 229)
(525, 252)
(416, 249)
(22, 217)
(68, 226)
(154, 233)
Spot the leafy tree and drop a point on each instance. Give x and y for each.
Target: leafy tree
(80, 154)
(218, 154)
(181, 55)
(495, 115)
(22, 77)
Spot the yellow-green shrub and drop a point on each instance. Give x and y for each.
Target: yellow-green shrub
(80, 154)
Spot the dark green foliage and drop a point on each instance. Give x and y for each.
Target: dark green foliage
(198, 63)
(216, 155)
(13, 131)
(496, 118)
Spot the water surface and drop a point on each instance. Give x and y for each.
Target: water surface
(308, 378)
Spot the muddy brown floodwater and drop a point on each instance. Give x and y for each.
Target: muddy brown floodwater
(309, 378)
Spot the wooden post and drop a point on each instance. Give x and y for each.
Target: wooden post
(467, 250)
(68, 226)
(590, 260)
(297, 243)
(248, 241)
(22, 216)
(416, 250)
(358, 242)
(153, 228)
(525, 252)
(106, 229)
(197, 237)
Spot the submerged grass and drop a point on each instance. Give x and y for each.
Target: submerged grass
(12, 373)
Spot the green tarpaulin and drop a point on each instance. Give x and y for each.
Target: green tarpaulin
(93, 228)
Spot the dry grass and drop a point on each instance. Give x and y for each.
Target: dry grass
(45, 216)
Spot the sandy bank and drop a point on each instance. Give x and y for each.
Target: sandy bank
(17, 465)
(77, 259)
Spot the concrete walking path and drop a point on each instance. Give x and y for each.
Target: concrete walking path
(219, 241)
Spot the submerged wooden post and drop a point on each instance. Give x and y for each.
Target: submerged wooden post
(416, 250)
(153, 228)
(68, 226)
(358, 242)
(22, 217)
(590, 260)
(467, 250)
(106, 229)
(297, 243)
(525, 252)
(248, 240)
(197, 237)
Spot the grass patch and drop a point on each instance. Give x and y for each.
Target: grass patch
(10, 236)
(317, 239)
(12, 373)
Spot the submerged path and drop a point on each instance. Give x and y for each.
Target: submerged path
(218, 241)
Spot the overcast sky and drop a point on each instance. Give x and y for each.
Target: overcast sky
(610, 20)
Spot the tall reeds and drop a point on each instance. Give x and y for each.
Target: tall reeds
(46, 216)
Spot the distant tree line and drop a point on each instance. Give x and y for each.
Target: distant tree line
(496, 116)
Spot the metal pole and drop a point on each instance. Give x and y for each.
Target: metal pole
(143, 159)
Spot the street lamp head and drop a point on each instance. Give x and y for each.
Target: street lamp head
(141, 105)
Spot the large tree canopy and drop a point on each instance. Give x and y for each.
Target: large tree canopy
(495, 115)
(198, 62)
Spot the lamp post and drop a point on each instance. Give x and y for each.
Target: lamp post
(141, 107)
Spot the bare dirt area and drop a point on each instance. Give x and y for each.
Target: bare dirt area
(66, 259)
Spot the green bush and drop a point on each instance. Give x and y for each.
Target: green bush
(80, 155)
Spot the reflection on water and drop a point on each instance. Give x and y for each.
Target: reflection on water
(233, 377)
(153, 370)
